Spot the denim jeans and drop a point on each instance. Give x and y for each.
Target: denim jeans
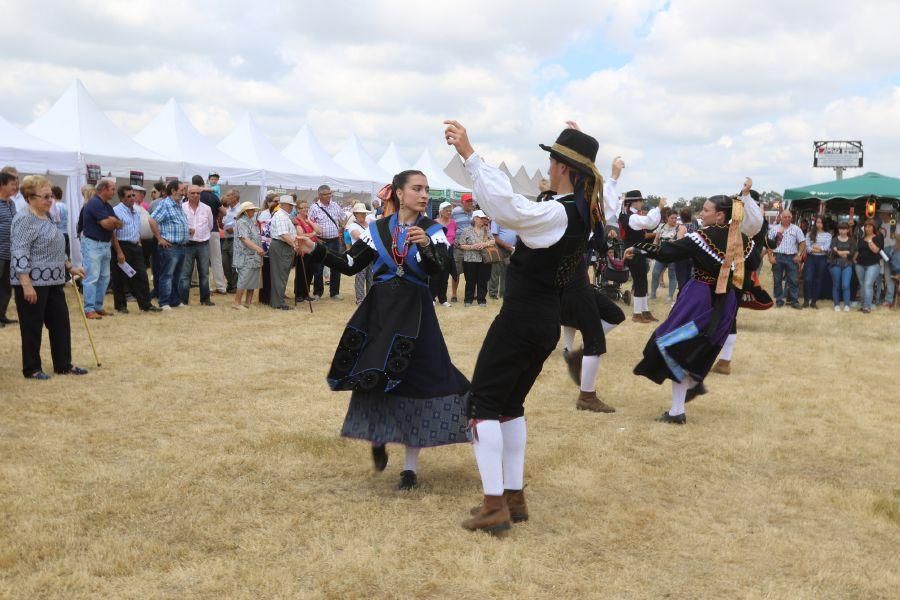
(813, 273)
(890, 286)
(170, 262)
(785, 269)
(200, 254)
(840, 283)
(658, 268)
(95, 256)
(867, 276)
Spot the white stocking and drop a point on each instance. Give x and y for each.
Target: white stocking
(728, 347)
(607, 327)
(679, 390)
(411, 461)
(488, 448)
(514, 436)
(568, 337)
(589, 367)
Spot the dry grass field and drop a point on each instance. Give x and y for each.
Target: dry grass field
(203, 461)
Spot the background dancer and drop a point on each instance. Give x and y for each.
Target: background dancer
(552, 240)
(633, 226)
(684, 347)
(392, 353)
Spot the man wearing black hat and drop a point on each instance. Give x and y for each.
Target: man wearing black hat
(552, 239)
(633, 226)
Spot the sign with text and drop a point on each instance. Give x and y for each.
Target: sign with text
(838, 154)
(93, 174)
(137, 178)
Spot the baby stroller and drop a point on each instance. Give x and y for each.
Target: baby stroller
(610, 271)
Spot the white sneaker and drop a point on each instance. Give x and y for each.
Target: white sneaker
(837, 308)
(166, 307)
(846, 309)
(447, 304)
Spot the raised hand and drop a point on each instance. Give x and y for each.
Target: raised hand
(456, 136)
(573, 125)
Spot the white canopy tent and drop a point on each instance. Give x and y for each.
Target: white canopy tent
(356, 161)
(437, 179)
(392, 162)
(306, 152)
(172, 135)
(536, 179)
(522, 184)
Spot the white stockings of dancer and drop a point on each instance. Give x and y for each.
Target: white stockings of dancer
(589, 367)
(488, 448)
(411, 460)
(607, 327)
(679, 391)
(728, 347)
(640, 305)
(514, 436)
(568, 334)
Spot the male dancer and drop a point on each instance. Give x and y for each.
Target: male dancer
(633, 227)
(552, 239)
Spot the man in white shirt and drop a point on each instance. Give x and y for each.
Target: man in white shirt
(634, 226)
(790, 247)
(612, 204)
(196, 250)
(281, 251)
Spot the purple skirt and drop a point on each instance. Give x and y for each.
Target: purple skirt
(689, 340)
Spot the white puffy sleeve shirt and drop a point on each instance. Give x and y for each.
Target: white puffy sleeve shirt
(539, 224)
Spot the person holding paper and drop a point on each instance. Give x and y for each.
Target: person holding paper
(129, 271)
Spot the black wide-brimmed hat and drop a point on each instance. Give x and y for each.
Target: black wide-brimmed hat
(576, 149)
(632, 196)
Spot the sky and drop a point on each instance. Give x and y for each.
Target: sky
(694, 95)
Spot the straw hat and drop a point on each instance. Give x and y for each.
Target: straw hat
(287, 199)
(359, 207)
(244, 207)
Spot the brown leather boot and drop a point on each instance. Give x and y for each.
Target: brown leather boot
(515, 500)
(649, 316)
(639, 318)
(493, 517)
(590, 401)
(722, 366)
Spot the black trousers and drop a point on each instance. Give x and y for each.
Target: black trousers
(5, 287)
(477, 277)
(303, 271)
(138, 286)
(51, 311)
(638, 268)
(336, 245)
(512, 356)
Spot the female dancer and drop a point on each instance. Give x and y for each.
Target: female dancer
(392, 354)
(684, 347)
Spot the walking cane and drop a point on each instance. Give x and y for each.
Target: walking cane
(306, 281)
(84, 320)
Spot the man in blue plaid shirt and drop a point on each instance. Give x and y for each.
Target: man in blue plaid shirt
(173, 233)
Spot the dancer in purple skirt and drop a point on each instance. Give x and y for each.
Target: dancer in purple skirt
(684, 347)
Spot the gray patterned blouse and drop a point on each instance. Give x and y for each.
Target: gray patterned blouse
(38, 249)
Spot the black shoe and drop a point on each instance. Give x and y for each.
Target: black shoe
(667, 418)
(123, 311)
(796, 305)
(73, 371)
(806, 304)
(813, 305)
(379, 458)
(408, 480)
(207, 303)
(151, 308)
(39, 375)
(285, 307)
(697, 390)
(779, 305)
(6, 321)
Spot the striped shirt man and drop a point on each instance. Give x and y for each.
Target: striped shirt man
(173, 223)
(788, 240)
(329, 218)
(131, 224)
(7, 212)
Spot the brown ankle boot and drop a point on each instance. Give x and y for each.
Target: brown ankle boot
(649, 316)
(515, 501)
(493, 517)
(639, 318)
(590, 401)
(722, 366)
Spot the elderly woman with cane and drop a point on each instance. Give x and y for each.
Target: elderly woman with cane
(38, 273)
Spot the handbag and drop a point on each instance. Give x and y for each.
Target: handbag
(490, 255)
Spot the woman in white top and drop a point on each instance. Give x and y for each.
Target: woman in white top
(818, 243)
(666, 232)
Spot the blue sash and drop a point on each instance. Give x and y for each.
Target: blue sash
(382, 234)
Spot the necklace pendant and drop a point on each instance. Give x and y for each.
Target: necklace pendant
(400, 271)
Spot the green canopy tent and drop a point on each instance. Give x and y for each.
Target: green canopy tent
(839, 196)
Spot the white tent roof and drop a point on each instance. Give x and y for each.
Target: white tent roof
(29, 154)
(536, 179)
(248, 144)
(392, 162)
(172, 135)
(77, 124)
(356, 161)
(505, 170)
(306, 151)
(437, 179)
(523, 184)
(456, 169)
